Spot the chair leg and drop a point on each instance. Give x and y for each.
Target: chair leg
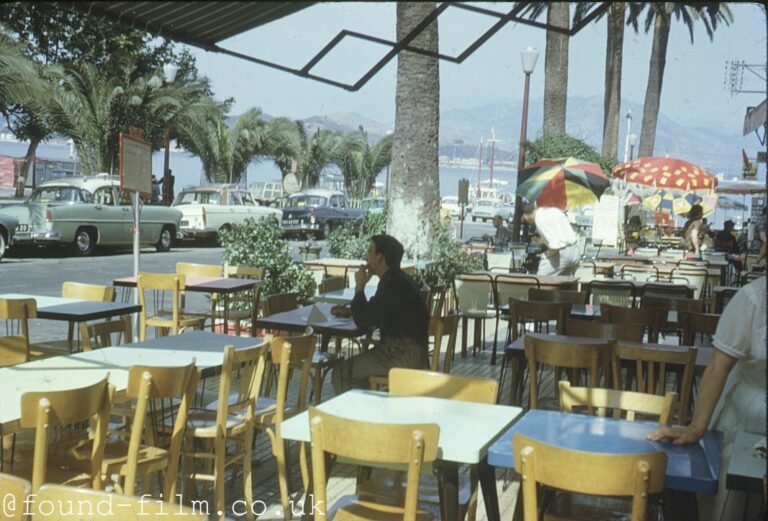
(279, 450)
(303, 466)
(464, 325)
(247, 473)
(220, 447)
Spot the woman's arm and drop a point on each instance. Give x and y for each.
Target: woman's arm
(712, 383)
(694, 231)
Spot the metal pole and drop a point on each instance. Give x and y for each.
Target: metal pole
(136, 252)
(167, 169)
(626, 139)
(521, 161)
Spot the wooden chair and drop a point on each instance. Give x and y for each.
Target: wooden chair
(413, 445)
(123, 508)
(436, 299)
(14, 491)
(676, 291)
(287, 354)
(672, 304)
(569, 354)
(319, 273)
(515, 286)
(697, 323)
(331, 284)
(439, 328)
(695, 277)
(722, 302)
(99, 335)
(219, 426)
(154, 311)
(475, 300)
(650, 318)
(140, 454)
(244, 306)
(80, 290)
(57, 418)
(279, 302)
(623, 404)
(557, 295)
(14, 346)
(615, 293)
(595, 329)
(191, 269)
(537, 312)
(634, 475)
(652, 370)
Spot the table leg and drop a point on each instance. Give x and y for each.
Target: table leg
(487, 476)
(226, 313)
(448, 479)
(680, 506)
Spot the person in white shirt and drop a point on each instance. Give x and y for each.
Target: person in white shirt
(562, 255)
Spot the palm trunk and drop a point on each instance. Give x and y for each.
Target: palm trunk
(556, 69)
(28, 168)
(612, 101)
(655, 79)
(415, 189)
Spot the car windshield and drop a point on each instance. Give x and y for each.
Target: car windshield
(198, 198)
(372, 203)
(60, 194)
(307, 200)
(485, 202)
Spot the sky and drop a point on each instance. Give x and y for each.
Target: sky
(693, 91)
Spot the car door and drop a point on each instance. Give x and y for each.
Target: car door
(107, 216)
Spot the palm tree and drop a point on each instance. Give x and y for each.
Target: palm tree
(414, 185)
(659, 15)
(306, 155)
(363, 162)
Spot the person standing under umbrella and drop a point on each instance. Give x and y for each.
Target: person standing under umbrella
(694, 231)
(562, 254)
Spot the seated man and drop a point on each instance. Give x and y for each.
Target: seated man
(725, 240)
(398, 310)
(502, 237)
(562, 254)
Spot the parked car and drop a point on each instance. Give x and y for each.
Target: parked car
(208, 210)
(8, 224)
(485, 209)
(373, 204)
(451, 203)
(86, 212)
(317, 212)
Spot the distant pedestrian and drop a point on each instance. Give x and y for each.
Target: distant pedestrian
(155, 190)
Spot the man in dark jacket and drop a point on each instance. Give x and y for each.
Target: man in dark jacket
(398, 310)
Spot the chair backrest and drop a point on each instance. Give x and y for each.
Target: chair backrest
(695, 276)
(199, 270)
(541, 349)
(474, 292)
(586, 272)
(647, 252)
(160, 286)
(653, 366)
(88, 504)
(14, 491)
(635, 475)
(149, 386)
(404, 444)
(14, 345)
(240, 382)
(319, 273)
(676, 304)
(513, 286)
(331, 284)
(641, 272)
(558, 295)
(727, 295)
(616, 293)
(85, 291)
(499, 261)
(415, 382)
(651, 318)
(436, 299)
(279, 302)
(697, 323)
(45, 411)
(594, 329)
(673, 253)
(623, 404)
(538, 312)
(693, 263)
(439, 328)
(100, 334)
(288, 354)
(678, 290)
(243, 272)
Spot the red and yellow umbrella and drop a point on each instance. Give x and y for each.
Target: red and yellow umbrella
(666, 173)
(566, 183)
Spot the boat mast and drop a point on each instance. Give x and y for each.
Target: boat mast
(479, 167)
(493, 142)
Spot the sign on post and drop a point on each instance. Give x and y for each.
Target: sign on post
(135, 165)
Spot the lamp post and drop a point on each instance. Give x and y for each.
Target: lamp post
(169, 73)
(529, 57)
(632, 141)
(629, 131)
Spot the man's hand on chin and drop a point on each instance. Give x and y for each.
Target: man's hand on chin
(362, 276)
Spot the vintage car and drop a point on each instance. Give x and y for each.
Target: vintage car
(317, 212)
(208, 210)
(8, 225)
(485, 209)
(373, 204)
(451, 204)
(85, 212)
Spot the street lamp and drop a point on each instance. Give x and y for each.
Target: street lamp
(632, 141)
(528, 57)
(629, 131)
(169, 73)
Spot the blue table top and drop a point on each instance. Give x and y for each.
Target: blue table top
(690, 468)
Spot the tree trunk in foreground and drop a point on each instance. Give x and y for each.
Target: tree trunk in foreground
(414, 196)
(612, 101)
(655, 79)
(556, 69)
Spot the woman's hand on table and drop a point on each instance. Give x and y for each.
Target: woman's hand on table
(677, 435)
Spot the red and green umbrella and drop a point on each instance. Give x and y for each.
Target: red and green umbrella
(565, 183)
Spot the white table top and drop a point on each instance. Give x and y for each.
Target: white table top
(86, 368)
(466, 429)
(41, 300)
(344, 296)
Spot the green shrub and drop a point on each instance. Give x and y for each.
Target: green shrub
(449, 259)
(554, 146)
(260, 243)
(347, 243)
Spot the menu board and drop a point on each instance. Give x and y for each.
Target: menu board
(605, 226)
(135, 165)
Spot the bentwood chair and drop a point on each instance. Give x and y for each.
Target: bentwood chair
(123, 508)
(650, 318)
(636, 476)
(191, 269)
(244, 306)
(595, 329)
(615, 293)
(558, 295)
(411, 445)
(694, 324)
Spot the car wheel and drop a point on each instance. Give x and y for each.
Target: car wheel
(85, 242)
(2, 245)
(165, 241)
